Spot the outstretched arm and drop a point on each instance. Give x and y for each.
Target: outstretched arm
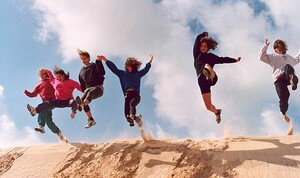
(110, 65)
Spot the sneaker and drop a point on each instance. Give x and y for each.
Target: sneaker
(80, 104)
(31, 109)
(294, 81)
(40, 129)
(138, 120)
(286, 118)
(206, 73)
(61, 137)
(73, 115)
(218, 115)
(90, 124)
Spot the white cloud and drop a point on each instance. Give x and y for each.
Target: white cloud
(120, 28)
(10, 134)
(1, 91)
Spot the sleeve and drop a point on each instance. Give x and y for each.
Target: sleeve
(100, 67)
(113, 68)
(145, 70)
(297, 58)
(196, 49)
(51, 77)
(221, 60)
(32, 94)
(76, 85)
(82, 83)
(264, 57)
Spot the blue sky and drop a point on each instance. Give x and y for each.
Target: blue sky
(40, 33)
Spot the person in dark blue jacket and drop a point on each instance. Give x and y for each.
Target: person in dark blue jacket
(130, 80)
(204, 63)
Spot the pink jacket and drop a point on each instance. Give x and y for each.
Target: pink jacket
(64, 90)
(44, 89)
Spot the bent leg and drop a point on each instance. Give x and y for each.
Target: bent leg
(211, 71)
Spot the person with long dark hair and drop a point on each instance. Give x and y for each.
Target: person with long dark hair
(204, 63)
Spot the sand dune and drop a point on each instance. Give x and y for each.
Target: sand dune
(229, 157)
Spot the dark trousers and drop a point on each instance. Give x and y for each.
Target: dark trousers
(57, 104)
(132, 99)
(90, 94)
(281, 86)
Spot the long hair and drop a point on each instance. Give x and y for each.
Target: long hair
(281, 43)
(211, 43)
(61, 72)
(134, 63)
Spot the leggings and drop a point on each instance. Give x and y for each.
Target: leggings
(132, 99)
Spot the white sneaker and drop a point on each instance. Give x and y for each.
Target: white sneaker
(90, 124)
(31, 109)
(62, 138)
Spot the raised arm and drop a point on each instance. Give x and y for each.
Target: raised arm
(196, 49)
(263, 56)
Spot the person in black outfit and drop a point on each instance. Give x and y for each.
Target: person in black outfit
(204, 63)
(91, 78)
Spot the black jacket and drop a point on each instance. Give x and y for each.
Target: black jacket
(91, 75)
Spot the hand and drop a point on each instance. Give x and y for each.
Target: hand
(238, 59)
(151, 58)
(101, 58)
(267, 42)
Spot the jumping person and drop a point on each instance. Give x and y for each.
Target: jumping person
(204, 63)
(283, 72)
(64, 87)
(91, 78)
(130, 80)
(46, 92)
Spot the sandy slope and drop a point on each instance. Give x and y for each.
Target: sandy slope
(230, 157)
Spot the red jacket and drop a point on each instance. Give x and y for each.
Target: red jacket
(44, 89)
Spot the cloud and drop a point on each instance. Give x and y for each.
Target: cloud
(119, 28)
(1, 91)
(10, 134)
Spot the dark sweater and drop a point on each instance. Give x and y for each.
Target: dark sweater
(211, 59)
(91, 75)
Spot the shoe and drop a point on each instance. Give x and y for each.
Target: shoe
(286, 118)
(206, 73)
(131, 119)
(73, 115)
(294, 81)
(218, 116)
(31, 109)
(80, 104)
(40, 129)
(138, 120)
(61, 137)
(90, 124)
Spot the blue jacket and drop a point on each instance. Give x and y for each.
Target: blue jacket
(128, 79)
